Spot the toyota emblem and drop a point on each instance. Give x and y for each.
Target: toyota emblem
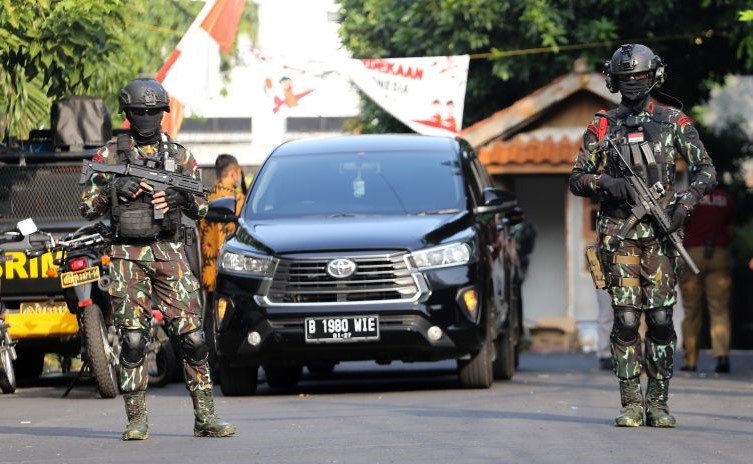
(341, 268)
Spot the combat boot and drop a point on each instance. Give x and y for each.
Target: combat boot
(631, 414)
(657, 411)
(207, 424)
(135, 406)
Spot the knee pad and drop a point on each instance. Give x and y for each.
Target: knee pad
(194, 347)
(626, 323)
(660, 327)
(133, 345)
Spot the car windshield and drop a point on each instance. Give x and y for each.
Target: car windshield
(354, 184)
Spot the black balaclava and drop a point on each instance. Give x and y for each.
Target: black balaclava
(635, 92)
(145, 127)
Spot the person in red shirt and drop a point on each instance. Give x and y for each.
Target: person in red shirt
(708, 233)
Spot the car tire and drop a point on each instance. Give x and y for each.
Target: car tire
(99, 352)
(283, 377)
(477, 372)
(238, 380)
(504, 363)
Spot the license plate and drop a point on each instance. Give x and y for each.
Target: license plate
(43, 307)
(341, 329)
(84, 276)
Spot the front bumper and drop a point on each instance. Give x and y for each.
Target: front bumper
(403, 325)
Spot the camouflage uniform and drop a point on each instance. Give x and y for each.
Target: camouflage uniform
(139, 271)
(641, 270)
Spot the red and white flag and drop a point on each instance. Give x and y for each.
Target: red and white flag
(426, 94)
(192, 70)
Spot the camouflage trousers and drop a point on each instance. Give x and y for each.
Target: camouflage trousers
(176, 294)
(712, 286)
(641, 276)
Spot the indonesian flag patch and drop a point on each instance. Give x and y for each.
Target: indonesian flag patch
(635, 137)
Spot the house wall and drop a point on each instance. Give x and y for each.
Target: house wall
(577, 110)
(544, 290)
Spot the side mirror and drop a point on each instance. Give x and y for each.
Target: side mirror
(222, 210)
(27, 227)
(496, 201)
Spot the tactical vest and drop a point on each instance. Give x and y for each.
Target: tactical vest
(133, 221)
(647, 145)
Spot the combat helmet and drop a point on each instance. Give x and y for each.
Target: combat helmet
(143, 92)
(630, 59)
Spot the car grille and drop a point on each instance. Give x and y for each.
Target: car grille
(377, 278)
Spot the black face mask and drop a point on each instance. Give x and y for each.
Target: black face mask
(145, 125)
(634, 90)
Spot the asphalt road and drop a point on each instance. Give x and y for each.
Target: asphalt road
(558, 409)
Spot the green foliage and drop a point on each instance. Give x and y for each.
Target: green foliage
(398, 28)
(53, 48)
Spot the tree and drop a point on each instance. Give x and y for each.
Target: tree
(51, 49)
(701, 41)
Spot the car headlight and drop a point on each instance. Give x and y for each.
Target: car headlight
(263, 266)
(442, 256)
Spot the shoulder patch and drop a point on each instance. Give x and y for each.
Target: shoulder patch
(592, 129)
(684, 121)
(98, 158)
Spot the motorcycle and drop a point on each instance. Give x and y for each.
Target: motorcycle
(84, 261)
(83, 269)
(7, 345)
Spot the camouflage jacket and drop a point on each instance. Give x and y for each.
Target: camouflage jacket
(671, 134)
(214, 234)
(95, 200)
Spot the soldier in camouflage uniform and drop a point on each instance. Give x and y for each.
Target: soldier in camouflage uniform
(640, 270)
(148, 257)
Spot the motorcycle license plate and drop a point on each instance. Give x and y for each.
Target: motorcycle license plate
(76, 278)
(43, 307)
(343, 329)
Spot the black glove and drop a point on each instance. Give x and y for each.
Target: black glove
(175, 198)
(679, 215)
(616, 187)
(125, 187)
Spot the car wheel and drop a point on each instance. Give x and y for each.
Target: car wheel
(283, 377)
(238, 380)
(477, 371)
(504, 363)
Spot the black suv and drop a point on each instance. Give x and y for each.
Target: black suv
(370, 247)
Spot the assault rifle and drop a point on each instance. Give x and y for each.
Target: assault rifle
(157, 178)
(646, 203)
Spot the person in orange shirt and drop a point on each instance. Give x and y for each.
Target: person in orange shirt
(214, 234)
